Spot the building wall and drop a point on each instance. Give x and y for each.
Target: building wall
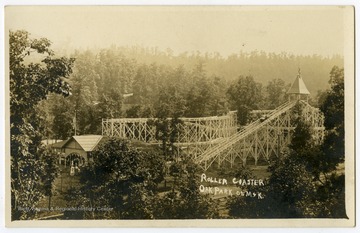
(73, 147)
(77, 151)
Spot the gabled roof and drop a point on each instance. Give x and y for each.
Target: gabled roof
(88, 142)
(59, 144)
(48, 142)
(298, 87)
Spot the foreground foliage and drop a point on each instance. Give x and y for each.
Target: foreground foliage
(306, 183)
(122, 183)
(33, 168)
(184, 201)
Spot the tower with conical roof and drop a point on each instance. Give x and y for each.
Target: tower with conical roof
(298, 89)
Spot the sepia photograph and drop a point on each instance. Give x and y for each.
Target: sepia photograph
(180, 116)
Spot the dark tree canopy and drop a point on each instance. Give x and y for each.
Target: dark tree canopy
(306, 182)
(245, 95)
(31, 82)
(38, 79)
(184, 200)
(333, 109)
(276, 93)
(120, 177)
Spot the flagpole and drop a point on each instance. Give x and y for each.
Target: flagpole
(75, 123)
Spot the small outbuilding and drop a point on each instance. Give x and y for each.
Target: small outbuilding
(77, 150)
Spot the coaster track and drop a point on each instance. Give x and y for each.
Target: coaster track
(211, 139)
(211, 155)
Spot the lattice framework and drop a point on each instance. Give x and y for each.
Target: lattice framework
(265, 137)
(216, 139)
(201, 130)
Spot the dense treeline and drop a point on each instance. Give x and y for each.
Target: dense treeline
(136, 82)
(263, 66)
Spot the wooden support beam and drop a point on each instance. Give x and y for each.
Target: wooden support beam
(210, 139)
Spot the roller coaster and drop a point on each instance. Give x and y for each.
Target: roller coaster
(218, 139)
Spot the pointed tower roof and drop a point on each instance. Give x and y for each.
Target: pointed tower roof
(298, 87)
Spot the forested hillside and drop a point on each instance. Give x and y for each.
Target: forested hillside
(259, 64)
(139, 82)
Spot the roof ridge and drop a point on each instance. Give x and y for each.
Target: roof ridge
(298, 86)
(95, 144)
(81, 143)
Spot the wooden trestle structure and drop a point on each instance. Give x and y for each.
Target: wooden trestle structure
(265, 137)
(218, 139)
(195, 134)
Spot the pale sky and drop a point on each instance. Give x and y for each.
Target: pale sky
(297, 30)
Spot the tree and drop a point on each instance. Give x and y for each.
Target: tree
(333, 109)
(63, 117)
(198, 95)
(38, 79)
(306, 183)
(205, 97)
(46, 118)
(321, 161)
(291, 188)
(244, 95)
(218, 103)
(116, 74)
(276, 91)
(122, 179)
(145, 85)
(171, 106)
(292, 183)
(84, 99)
(184, 200)
(51, 170)
(332, 190)
(246, 206)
